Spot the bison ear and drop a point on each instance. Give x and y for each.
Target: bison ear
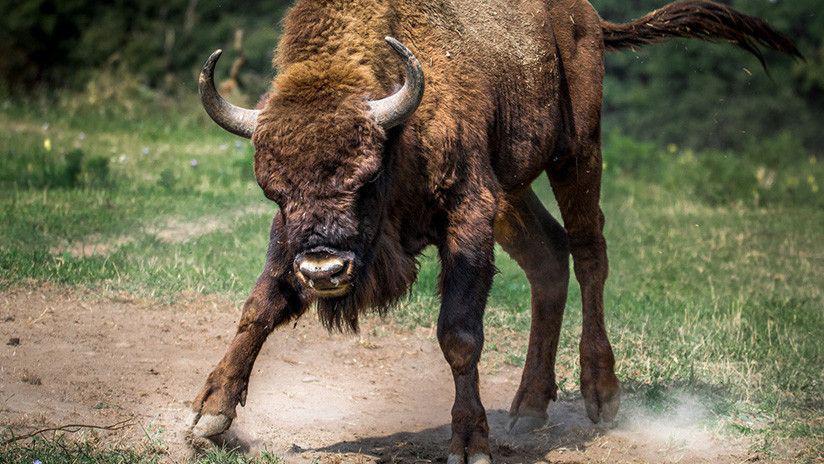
(234, 119)
(395, 109)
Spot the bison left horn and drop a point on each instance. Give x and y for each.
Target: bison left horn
(388, 112)
(234, 119)
(397, 108)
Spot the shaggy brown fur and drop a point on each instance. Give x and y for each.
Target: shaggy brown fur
(513, 89)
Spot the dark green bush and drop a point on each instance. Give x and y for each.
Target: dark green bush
(74, 165)
(60, 43)
(96, 172)
(41, 168)
(167, 180)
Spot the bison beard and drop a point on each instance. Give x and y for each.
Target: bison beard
(513, 90)
(384, 280)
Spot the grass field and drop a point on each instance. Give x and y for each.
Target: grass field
(717, 259)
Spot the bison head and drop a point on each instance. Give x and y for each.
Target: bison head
(320, 154)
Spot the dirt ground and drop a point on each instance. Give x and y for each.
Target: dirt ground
(70, 356)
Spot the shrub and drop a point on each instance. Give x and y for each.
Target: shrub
(96, 172)
(37, 168)
(167, 180)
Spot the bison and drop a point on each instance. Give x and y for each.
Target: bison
(374, 152)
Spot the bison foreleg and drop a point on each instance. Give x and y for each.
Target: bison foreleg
(271, 303)
(467, 260)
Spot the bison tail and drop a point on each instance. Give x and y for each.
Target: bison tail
(698, 19)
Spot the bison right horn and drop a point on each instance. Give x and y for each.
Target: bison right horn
(395, 109)
(234, 119)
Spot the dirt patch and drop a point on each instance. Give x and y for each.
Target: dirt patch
(178, 231)
(170, 230)
(93, 245)
(383, 396)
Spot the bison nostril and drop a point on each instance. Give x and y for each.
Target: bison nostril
(321, 268)
(325, 270)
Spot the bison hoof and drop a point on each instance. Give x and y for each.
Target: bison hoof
(208, 426)
(455, 459)
(524, 424)
(480, 458)
(603, 410)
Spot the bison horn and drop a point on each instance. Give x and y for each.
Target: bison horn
(395, 109)
(234, 119)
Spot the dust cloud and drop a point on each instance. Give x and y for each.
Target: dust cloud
(682, 430)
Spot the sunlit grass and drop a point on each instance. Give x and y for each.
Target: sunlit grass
(63, 450)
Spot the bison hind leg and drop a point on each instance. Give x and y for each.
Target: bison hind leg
(531, 236)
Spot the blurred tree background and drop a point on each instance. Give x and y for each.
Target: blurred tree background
(685, 93)
(63, 44)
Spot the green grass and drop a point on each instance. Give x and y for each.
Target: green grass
(716, 259)
(60, 450)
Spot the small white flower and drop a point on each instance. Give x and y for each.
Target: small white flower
(194, 163)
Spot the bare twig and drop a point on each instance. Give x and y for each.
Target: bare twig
(40, 317)
(72, 428)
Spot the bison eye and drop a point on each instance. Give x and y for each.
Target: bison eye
(375, 176)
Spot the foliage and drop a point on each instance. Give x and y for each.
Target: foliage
(59, 43)
(691, 94)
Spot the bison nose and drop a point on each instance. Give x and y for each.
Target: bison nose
(326, 271)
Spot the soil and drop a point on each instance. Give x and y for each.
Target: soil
(170, 230)
(382, 396)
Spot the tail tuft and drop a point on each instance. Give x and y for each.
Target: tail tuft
(698, 19)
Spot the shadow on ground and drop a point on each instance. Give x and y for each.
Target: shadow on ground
(564, 431)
